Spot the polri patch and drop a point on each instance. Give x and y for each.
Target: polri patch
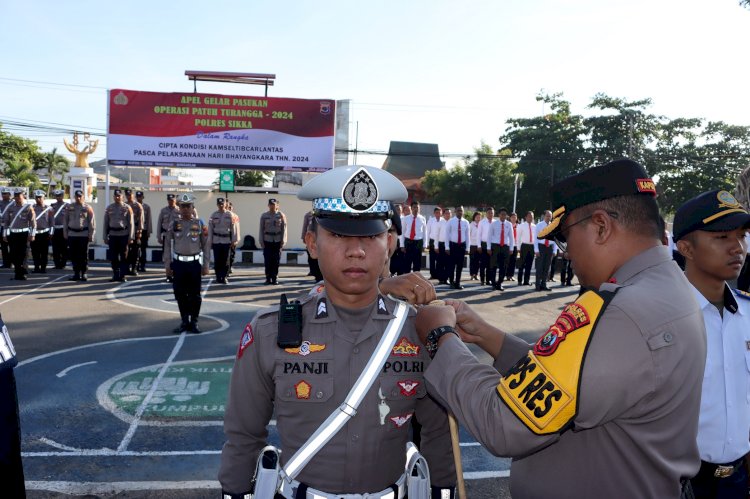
(408, 387)
(573, 317)
(305, 349)
(400, 421)
(303, 389)
(405, 348)
(245, 340)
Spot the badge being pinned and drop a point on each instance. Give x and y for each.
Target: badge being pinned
(405, 348)
(245, 340)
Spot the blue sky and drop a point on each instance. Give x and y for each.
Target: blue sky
(427, 71)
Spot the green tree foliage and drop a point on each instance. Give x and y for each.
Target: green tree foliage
(57, 166)
(250, 178)
(484, 181)
(20, 173)
(17, 159)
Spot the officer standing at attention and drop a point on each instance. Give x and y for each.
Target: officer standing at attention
(526, 236)
(710, 231)
(118, 234)
(186, 259)
(339, 330)
(20, 226)
(223, 232)
(485, 247)
(543, 252)
(4, 203)
(233, 246)
(59, 246)
(457, 245)
(165, 220)
(79, 229)
(413, 226)
(145, 234)
(272, 238)
(605, 403)
(134, 246)
(432, 233)
(11, 468)
(500, 242)
(40, 246)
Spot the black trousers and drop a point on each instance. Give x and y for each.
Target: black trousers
(395, 265)
(143, 250)
(566, 272)
(271, 258)
(11, 468)
(79, 253)
(187, 289)
(131, 257)
(118, 249)
(552, 264)
(543, 262)
(511, 263)
(413, 255)
(40, 250)
(433, 260)
(484, 263)
(474, 260)
(499, 261)
(59, 249)
(707, 486)
(527, 258)
(5, 249)
(443, 264)
(457, 257)
(18, 245)
(221, 259)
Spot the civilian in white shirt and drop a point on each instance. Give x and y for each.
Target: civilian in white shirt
(543, 252)
(413, 227)
(526, 236)
(396, 265)
(484, 246)
(710, 231)
(501, 238)
(432, 235)
(511, 271)
(457, 242)
(474, 247)
(441, 248)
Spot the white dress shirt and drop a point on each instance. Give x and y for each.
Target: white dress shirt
(526, 232)
(724, 421)
(543, 242)
(474, 233)
(433, 227)
(451, 232)
(484, 229)
(419, 227)
(516, 244)
(504, 229)
(442, 229)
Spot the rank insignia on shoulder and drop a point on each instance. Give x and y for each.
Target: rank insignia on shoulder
(405, 348)
(381, 306)
(322, 310)
(408, 387)
(400, 421)
(245, 340)
(742, 294)
(305, 349)
(303, 389)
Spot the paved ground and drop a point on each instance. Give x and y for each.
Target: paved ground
(114, 405)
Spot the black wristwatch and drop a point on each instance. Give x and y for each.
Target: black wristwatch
(434, 336)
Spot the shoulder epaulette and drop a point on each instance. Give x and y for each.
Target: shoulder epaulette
(742, 294)
(262, 313)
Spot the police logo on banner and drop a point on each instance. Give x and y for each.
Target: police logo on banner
(360, 193)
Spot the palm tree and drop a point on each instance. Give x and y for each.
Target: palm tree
(56, 165)
(20, 173)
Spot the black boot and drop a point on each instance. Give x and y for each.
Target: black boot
(184, 326)
(75, 277)
(194, 327)
(84, 277)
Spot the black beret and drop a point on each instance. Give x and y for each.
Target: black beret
(713, 211)
(128, 191)
(78, 192)
(273, 201)
(139, 193)
(117, 192)
(219, 200)
(170, 196)
(622, 177)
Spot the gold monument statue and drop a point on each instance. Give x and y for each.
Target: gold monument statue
(82, 155)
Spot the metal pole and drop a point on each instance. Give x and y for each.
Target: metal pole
(356, 141)
(515, 192)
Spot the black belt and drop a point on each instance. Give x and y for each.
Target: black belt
(413, 241)
(272, 233)
(77, 230)
(720, 470)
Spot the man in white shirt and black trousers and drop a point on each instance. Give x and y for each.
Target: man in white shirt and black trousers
(457, 244)
(526, 235)
(544, 251)
(413, 228)
(501, 239)
(484, 246)
(433, 231)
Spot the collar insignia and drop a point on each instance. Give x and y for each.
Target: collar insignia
(404, 348)
(400, 421)
(322, 311)
(303, 389)
(360, 193)
(245, 340)
(305, 349)
(573, 316)
(381, 306)
(408, 387)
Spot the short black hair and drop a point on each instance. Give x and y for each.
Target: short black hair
(503, 209)
(637, 213)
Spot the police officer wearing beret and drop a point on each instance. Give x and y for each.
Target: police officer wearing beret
(119, 232)
(186, 259)
(79, 228)
(340, 329)
(605, 403)
(40, 246)
(59, 246)
(11, 468)
(272, 238)
(223, 233)
(145, 233)
(5, 201)
(710, 232)
(19, 230)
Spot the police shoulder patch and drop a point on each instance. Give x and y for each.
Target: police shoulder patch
(246, 340)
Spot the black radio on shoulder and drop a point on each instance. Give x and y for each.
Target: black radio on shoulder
(290, 324)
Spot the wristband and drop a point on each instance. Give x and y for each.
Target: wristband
(433, 337)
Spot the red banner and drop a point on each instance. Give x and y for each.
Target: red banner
(220, 131)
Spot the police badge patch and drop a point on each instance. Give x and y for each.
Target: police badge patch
(245, 340)
(400, 421)
(360, 193)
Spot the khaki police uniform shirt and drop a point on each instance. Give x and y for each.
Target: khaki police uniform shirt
(272, 228)
(635, 431)
(223, 228)
(58, 214)
(3, 205)
(80, 221)
(137, 215)
(186, 238)
(306, 385)
(25, 220)
(45, 220)
(147, 222)
(118, 221)
(165, 218)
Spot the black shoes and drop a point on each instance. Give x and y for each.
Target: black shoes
(184, 326)
(84, 277)
(500, 287)
(194, 328)
(75, 277)
(268, 281)
(457, 286)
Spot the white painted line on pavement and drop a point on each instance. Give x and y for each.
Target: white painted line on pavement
(470, 444)
(68, 369)
(32, 290)
(106, 488)
(134, 425)
(479, 475)
(208, 285)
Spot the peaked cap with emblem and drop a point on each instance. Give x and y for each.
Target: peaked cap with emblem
(354, 200)
(39, 193)
(58, 192)
(18, 191)
(622, 177)
(186, 199)
(5, 190)
(712, 211)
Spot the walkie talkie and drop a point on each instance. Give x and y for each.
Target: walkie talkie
(290, 324)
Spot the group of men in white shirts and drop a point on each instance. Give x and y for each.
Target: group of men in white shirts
(494, 244)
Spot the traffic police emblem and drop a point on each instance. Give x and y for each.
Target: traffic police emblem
(360, 193)
(245, 340)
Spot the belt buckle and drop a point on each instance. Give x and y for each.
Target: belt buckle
(723, 471)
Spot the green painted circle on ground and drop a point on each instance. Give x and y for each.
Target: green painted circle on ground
(187, 391)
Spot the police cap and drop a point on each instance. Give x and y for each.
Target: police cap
(273, 201)
(58, 192)
(712, 211)
(139, 194)
(5, 190)
(39, 193)
(128, 192)
(117, 192)
(19, 191)
(622, 177)
(186, 199)
(219, 200)
(170, 197)
(354, 200)
(78, 193)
